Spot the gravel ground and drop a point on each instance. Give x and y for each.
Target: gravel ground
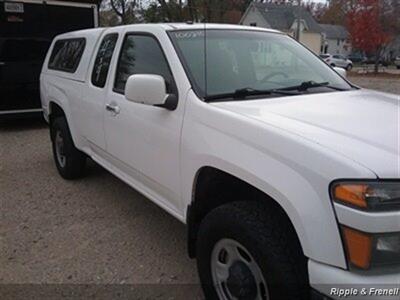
(389, 85)
(96, 230)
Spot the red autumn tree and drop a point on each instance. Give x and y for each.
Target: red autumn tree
(366, 29)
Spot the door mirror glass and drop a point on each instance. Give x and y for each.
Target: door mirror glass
(149, 89)
(342, 72)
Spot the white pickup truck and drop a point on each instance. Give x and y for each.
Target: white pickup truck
(286, 174)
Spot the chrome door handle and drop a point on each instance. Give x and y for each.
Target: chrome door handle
(113, 108)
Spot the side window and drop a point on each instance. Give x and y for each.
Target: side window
(67, 54)
(141, 54)
(103, 59)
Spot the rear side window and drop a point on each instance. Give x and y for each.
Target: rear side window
(67, 54)
(103, 59)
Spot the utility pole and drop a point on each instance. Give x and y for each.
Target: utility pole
(298, 20)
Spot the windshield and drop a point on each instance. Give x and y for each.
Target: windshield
(244, 59)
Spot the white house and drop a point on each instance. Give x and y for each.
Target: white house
(335, 40)
(285, 18)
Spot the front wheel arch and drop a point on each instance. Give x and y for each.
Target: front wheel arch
(213, 188)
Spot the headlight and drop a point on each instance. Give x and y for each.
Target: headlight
(369, 250)
(366, 251)
(371, 196)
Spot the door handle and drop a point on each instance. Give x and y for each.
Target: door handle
(113, 108)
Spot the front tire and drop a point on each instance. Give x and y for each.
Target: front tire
(70, 162)
(246, 250)
(349, 67)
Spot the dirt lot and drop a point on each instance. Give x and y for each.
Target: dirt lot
(96, 230)
(390, 84)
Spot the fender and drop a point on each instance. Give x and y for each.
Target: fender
(306, 218)
(295, 172)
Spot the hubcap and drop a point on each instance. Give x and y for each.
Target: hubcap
(235, 273)
(60, 154)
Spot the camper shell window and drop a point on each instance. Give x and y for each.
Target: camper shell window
(67, 54)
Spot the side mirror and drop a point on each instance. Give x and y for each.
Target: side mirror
(342, 72)
(150, 90)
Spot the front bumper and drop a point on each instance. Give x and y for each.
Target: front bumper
(336, 283)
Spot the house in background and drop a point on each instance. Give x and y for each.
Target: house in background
(285, 18)
(335, 40)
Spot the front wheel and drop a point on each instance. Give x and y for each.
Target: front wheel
(70, 162)
(245, 251)
(349, 67)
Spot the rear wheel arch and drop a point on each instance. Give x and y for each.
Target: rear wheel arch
(69, 161)
(55, 111)
(214, 187)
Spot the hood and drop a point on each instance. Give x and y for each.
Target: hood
(362, 125)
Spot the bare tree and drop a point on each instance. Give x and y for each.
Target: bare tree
(124, 9)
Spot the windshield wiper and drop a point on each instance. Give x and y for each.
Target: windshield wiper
(245, 92)
(304, 86)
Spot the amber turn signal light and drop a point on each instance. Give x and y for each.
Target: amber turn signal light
(359, 247)
(353, 194)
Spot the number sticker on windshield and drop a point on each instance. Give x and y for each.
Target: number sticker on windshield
(189, 34)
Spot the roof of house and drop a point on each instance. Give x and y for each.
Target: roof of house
(282, 17)
(334, 31)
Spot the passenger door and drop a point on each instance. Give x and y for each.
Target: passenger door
(92, 107)
(143, 141)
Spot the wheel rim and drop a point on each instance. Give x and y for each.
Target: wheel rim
(235, 273)
(60, 154)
